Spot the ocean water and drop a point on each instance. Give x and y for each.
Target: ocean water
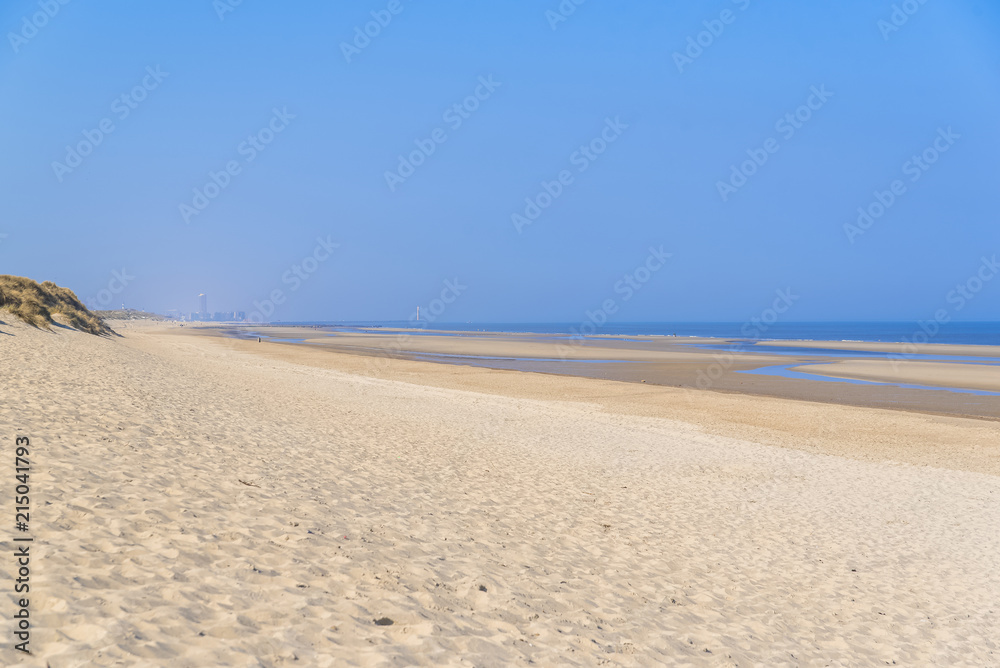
(973, 333)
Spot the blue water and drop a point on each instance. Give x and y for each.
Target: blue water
(806, 351)
(975, 333)
(786, 371)
(968, 333)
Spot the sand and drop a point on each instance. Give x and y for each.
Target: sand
(939, 374)
(202, 501)
(682, 362)
(901, 349)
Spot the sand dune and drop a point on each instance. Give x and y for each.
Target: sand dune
(197, 504)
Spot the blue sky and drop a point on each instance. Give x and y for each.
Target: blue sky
(671, 128)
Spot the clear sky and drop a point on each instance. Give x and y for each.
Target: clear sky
(643, 125)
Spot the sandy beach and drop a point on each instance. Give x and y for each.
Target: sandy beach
(966, 375)
(341, 335)
(201, 500)
(972, 376)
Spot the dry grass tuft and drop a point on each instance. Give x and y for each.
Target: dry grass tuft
(37, 304)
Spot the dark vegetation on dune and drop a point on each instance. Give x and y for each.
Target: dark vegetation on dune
(38, 304)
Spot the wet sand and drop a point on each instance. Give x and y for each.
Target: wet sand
(686, 363)
(902, 349)
(971, 376)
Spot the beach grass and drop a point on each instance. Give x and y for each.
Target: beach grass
(39, 304)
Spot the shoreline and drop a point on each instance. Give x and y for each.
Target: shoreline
(847, 344)
(868, 433)
(702, 364)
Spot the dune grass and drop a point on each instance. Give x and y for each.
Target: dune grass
(37, 304)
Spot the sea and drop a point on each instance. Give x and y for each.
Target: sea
(970, 333)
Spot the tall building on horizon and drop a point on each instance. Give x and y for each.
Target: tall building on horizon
(203, 303)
